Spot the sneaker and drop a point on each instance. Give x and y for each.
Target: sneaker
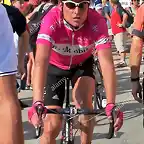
(121, 64)
(28, 87)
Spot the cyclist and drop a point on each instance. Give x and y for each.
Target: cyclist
(10, 114)
(136, 51)
(42, 7)
(65, 43)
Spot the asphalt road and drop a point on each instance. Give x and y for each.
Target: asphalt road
(132, 130)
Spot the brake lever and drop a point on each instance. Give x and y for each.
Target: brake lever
(111, 132)
(39, 109)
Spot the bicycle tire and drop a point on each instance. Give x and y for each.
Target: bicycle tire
(99, 69)
(37, 132)
(67, 135)
(67, 122)
(98, 96)
(111, 127)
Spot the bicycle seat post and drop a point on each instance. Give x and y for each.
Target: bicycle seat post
(67, 92)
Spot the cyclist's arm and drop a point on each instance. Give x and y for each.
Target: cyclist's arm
(43, 51)
(137, 43)
(106, 62)
(23, 41)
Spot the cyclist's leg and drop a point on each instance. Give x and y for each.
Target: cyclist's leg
(10, 113)
(82, 95)
(54, 97)
(30, 67)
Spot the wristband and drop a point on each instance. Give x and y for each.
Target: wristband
(135, 79)
(38, 102)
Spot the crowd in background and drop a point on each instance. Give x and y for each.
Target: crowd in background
(115, 17)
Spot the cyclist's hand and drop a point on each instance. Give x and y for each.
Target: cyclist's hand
(119, 116)
(32, 114)
(136, 90)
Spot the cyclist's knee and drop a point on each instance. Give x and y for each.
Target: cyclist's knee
(52, 125)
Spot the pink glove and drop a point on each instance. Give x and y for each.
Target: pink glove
(32, 114)
(119, 116)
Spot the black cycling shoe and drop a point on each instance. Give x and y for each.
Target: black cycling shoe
(23, 105)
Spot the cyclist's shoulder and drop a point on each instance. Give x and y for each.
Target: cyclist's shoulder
(94, 16)
(95, 19)
(53, 16)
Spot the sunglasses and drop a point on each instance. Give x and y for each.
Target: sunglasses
(73, 5)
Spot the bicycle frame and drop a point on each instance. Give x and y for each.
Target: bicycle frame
(67, 132)
(98, 98)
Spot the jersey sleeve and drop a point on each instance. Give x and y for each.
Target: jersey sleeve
(139, 23)
(102, 38)
(47, 30)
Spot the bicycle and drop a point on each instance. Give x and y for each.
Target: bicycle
(99, 98)
(69, 112)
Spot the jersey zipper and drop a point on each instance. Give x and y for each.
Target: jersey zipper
(72, 46)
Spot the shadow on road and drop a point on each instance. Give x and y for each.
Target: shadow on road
(96, 136)
(132, 110)
(123, 83)
(28, 101)
(29, 131)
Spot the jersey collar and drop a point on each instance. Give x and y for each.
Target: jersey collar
(71, 27)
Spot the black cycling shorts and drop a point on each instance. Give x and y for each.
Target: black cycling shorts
(55, 85)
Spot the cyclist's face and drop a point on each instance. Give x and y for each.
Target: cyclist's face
(75, 12)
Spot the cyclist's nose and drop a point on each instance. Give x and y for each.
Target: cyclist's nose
(77, 10)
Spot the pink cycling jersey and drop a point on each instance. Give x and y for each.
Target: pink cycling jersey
(70, 46)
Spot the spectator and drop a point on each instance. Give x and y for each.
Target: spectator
(134, 7)
(30, 65)
(93, 3)
(21, 38)
(26, 8)
(136, 53)
(98, 2)
(99, 8)
(107, 10)
(119, 31)
(132, 10)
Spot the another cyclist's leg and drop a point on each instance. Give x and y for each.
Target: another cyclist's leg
(82, 95)
(55, 92)
(10, 112)
(29, 69)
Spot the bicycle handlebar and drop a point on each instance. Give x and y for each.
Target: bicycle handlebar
(73, 111)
